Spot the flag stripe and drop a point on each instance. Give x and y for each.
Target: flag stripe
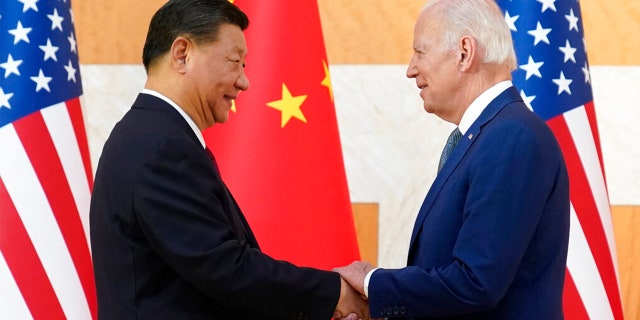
(48, 168)
(24, 263)
(75, 112)
(12, 305)
(577, 121)
(584, 271)
(30, 200)
(586, 208)
(572, 303)
(62, 134)
(591, 115)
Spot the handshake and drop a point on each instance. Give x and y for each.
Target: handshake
(353, 303)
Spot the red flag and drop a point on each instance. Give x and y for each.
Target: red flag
(280, 152)
(45, 170)
(555, 80)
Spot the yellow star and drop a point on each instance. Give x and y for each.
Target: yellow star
(327, 79)
(289, 105)
(231, 1)
(233, 102)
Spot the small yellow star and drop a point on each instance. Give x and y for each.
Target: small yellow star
(233, 102)
(231, 1)
(327, 79)
(289, 106)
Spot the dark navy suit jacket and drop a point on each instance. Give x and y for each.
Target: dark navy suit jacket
(169, 241)
(490, 240)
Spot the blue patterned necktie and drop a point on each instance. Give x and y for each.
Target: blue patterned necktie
(453, 140)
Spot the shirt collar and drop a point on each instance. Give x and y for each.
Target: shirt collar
(186, 117)
(480, 103)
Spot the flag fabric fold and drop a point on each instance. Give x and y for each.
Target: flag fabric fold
(280, 151)
(554, 80)
(45, 169)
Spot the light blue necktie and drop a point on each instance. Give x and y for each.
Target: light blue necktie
(453, 140)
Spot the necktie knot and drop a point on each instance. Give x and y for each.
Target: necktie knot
(452, 141)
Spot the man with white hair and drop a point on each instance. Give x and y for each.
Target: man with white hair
(490, 240)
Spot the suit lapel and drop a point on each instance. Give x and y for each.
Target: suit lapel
(506, 97)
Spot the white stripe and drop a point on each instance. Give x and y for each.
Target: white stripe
(585, 273)
(36, 214)
(582, 136)
(12, 305)
(61, 130)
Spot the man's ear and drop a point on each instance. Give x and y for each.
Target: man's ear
(179, 53)
(468, 52)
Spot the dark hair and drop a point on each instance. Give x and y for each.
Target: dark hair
(198, 19)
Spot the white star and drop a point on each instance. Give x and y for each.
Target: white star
(527, 100)
(563, 84)
(71, 14)
(49, 51)
(29, 4)
(71, 72)
(532, 68)
(20, 33)
(511, 21)
(573, 21)
(587, 73)
(41, 81)
(56, 20)
(4, 99)
(548, 4)
(72, 42)
(11, 66)
(568, 52)
(540, 34)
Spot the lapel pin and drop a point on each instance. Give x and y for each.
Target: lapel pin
(470, 136)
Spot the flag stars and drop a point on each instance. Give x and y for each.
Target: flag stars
(563, 84)
(72, 43)
(569, 52)
(527, 99)
(49, 51)
(539, 34)
(42, 82)
(28, 4)
(4, 99)
(532, 68)
(548, 4)
(573, 21)
(511, 21)
(11, 67)
(289, 106)
(56, 20)
(587, 73)
(20, 33)
(71, 72)
(327, 79)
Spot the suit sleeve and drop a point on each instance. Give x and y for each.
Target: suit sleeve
(180, 207)
(509, 178)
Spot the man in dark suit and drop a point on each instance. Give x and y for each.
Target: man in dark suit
(490, 240)
(167, 237)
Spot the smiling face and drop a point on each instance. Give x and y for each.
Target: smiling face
(434, 67)
(216, 75)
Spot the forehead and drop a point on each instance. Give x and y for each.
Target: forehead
(231, 39)
(425, 30)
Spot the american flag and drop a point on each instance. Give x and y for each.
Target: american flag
(554, 80)
(45, 170)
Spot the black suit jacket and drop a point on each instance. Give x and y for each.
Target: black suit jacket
(169, 241)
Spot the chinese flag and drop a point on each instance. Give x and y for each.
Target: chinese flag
(279, 152)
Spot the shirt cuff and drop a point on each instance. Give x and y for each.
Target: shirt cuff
(366, 281)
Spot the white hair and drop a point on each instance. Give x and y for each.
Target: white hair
(480, 19)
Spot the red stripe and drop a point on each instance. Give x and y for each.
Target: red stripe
(572, 304)
(75, 113)
(587, 212)
(39, 146)
(24, 263)
(591, 114)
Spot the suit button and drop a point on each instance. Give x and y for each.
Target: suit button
(396, 311)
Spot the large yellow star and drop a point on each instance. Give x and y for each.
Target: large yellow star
(327, 79)
(289, 105)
